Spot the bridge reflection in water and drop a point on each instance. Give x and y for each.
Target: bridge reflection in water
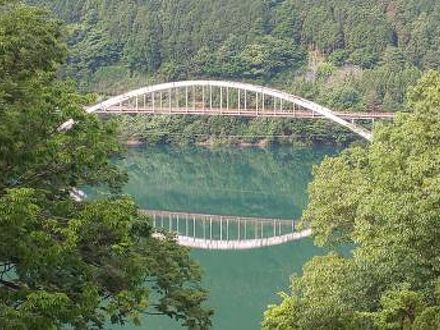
(219, 232)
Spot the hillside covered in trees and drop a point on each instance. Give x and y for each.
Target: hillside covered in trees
(345, 54)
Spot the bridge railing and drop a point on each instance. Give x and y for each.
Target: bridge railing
(220, 97)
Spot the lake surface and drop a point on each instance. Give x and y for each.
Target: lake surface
(231, 181)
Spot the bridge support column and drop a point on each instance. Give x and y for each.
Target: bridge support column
(245, 100)
(256, 104)
(210, 97)
(170, 100)
(153, 99)
(194, 98)
(186, 99)
(239, 101)
(221, 100)
(203, 98)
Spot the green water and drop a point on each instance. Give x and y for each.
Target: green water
(246, 182)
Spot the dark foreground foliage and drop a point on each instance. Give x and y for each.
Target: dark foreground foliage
(63, 262)
(384, 200)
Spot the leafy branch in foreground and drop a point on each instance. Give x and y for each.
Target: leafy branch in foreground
(385, 200)
(63, 262)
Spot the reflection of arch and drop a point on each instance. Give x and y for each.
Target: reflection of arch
(217, 232)
(241, 245)
(259, 94)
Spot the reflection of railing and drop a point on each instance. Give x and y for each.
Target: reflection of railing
(218, 232)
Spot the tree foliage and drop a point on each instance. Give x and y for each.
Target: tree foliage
(163, 39)
(64, 262)
(384, 199)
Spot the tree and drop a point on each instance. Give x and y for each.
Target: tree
(65, 262)
(385, 199)
(269, 56)
(143, 49)
(325, 35)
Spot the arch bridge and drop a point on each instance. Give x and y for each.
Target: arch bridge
(206, 97)
(209, 97)
(219, 232)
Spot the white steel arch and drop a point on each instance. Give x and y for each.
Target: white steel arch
(309, 105)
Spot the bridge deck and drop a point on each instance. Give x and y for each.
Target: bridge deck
(245, 113)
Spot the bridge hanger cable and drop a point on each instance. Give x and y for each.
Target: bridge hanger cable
(214, 101)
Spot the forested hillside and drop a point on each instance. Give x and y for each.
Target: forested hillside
(346, 54)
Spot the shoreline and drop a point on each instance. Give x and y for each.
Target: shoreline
(212, 143)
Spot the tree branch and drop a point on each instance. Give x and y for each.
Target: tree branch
(10, 285)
